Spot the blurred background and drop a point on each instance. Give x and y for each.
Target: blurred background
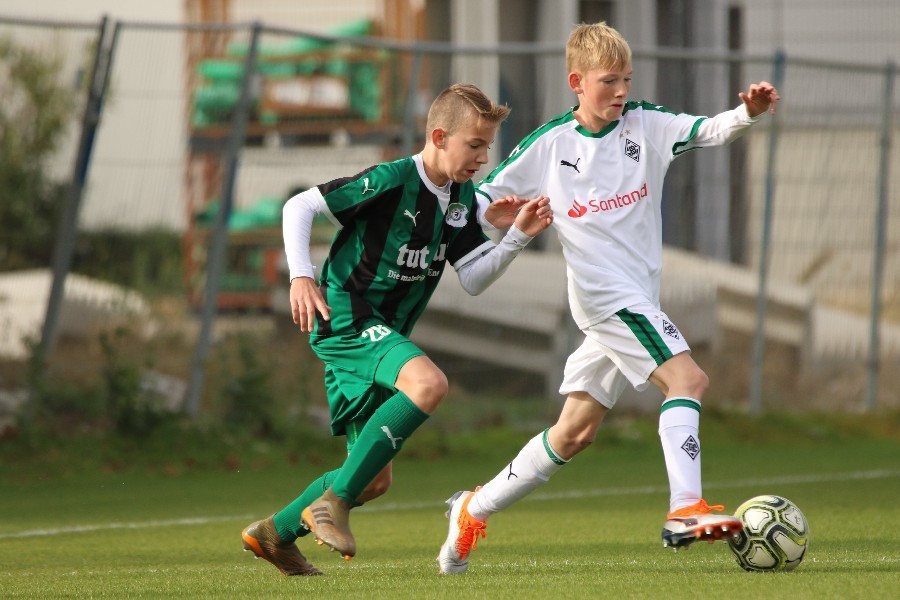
(146, 150)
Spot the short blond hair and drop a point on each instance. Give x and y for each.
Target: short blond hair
(596, 46)
(459, 105)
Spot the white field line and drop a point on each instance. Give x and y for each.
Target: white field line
(400, 506)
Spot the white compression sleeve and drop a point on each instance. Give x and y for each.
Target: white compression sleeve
(476, 275)
(724, 127)
(296, 228)
(482, 204)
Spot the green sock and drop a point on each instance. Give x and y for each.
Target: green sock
(287, 520)
(379, 441)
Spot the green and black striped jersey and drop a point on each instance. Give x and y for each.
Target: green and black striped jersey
(398, 230)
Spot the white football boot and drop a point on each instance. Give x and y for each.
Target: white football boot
(462, 536)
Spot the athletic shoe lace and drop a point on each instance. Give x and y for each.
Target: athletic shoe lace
(469, 532)
(696, 509)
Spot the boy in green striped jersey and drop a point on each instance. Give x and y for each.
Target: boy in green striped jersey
(399, 223)
(602, 164)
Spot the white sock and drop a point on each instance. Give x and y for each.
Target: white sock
(531, 468)
(679, 423)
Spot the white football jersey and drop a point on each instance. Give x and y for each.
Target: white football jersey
(605, 190)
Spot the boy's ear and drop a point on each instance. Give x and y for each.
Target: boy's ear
(438, 137)
(575, 82)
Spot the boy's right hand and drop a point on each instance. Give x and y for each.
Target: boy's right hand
(306, 299)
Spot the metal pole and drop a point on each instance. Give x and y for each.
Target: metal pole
(67, 227)
(216, 260)
(873, 363)
(759, 341)
(409, 115)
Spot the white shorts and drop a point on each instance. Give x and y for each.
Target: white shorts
(627, 347)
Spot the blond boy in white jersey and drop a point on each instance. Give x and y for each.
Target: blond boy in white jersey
(602, 165)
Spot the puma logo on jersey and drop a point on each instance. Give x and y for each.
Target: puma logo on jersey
(565, 163)
(366, 187)
(412, 216)
(393, 439)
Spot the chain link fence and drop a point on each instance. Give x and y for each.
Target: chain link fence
(782, 264)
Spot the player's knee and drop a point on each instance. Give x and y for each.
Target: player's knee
(378, 487)
(573, 442)
(430, 389)
(583, 440)
(698, 381)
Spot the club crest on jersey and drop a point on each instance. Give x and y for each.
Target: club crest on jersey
(456, 215)
(632, 150)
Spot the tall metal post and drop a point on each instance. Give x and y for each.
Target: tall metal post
(410, 132)
(759, 341)
(873, 364)
(219, 244)
(67, 227)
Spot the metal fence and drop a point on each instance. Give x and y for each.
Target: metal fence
(783, 256)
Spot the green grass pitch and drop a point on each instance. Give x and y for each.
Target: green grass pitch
(593, 531)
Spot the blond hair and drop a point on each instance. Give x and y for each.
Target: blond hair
(459, 105)
(596, 46)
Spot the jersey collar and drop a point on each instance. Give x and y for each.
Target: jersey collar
(442, 194)
(586, 133)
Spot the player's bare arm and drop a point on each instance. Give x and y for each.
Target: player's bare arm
(306, 299)
(535, 216)
(502, 212)
(759, 98)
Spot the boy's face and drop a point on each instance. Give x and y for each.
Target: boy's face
(466, 150)
(602, 94)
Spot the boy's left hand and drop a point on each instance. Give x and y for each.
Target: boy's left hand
(535, 216)
(502, 212)
(760, 97)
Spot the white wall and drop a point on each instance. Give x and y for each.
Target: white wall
(89, 10)
(860, 31)
(135, 176)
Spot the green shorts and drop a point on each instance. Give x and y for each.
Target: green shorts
(360, 372)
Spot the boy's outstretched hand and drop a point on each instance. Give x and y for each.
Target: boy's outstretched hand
(759, 98)
(502, 212)
(535, 216)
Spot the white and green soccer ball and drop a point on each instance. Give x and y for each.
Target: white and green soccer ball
(775, 536)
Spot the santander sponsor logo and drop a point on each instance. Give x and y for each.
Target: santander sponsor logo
(578, 209)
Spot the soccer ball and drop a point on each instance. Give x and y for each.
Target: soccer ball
(775, 535)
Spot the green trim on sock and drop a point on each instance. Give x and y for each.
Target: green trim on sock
(685, 402)
(550, 452)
